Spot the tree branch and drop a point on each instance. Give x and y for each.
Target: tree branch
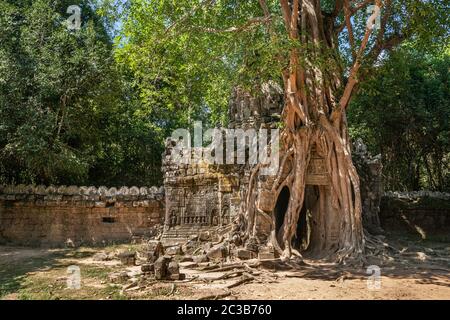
(348, 23)
(249, 24)
(343, 103)
(384, 21)
(264, 7)
(190, 13)
(388, 45)
(360, 6)
(338, 6)
(267, 14)
(353, 11)
(286, 10)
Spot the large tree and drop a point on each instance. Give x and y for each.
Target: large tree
(320, 50)
(317, 96)
(56, 86)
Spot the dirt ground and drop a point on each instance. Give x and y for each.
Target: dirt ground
(420, 271)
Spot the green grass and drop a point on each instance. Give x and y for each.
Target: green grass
(44, 277)
(13, 276)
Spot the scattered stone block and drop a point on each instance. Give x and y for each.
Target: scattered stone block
(119, 277)
(204, 236)
(127, 258)
(179, 276)
(245, 254)
(148, 267)
(147, 256)
(152, 251)
(173, 268)
(200, 258)
(174, 250)
(161, 268)
(101, 256)
(217, 252)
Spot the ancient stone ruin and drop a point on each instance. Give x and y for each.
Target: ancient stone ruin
(204, 201)
(424, 214)
(73, 216)
(202, 197)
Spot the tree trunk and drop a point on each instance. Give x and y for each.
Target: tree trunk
(315, 123)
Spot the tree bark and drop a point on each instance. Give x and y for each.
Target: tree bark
(315, 121)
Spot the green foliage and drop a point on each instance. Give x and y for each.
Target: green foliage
(53, 88)
(94, 106)
(67, 115)
(184, 57)
(403, 113)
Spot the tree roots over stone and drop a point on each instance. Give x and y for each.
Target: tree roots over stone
(314, 123)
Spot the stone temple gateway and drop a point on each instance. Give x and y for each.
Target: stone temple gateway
(207, 197)
(201, 196)
(197, 198)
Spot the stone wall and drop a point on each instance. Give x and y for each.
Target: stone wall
(58, 216)
(199, 196)
(420, 213)
(202, 196)
(370, 174)
(246, 111)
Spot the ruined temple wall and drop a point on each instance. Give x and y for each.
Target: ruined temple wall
(420, 213)
(246, 111)
(370, 173)
(199, 196)
(58, 216)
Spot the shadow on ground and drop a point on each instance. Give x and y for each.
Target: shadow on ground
(16, 264)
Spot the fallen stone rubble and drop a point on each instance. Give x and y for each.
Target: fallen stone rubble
(199, 264)
(162, 263)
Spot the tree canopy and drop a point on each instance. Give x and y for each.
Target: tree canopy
(94, 105)
(403, 113)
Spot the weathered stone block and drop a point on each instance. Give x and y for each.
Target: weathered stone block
(101, 256)
(204, 236)
(152, 250)
(148, 267)
(161, 268)
(245, 254)
(173, 268)
(266, 254)
(127, 258)
(200, 258)
(174, 250)
(218, 252)
(120, 277)
(178, 276)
